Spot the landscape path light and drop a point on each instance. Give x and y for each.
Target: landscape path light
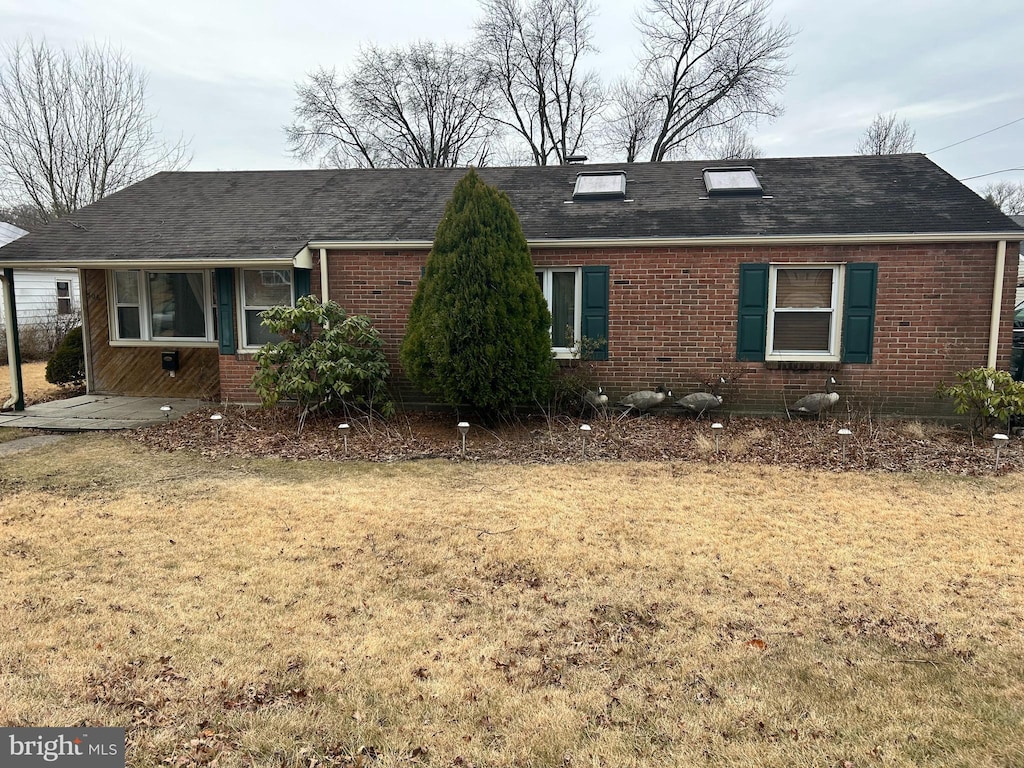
(343, 428)
(463, 429)
(844, 438)
(717, 428)
(217, 418)
(584, 432)
(1000, 440)
(166, 411)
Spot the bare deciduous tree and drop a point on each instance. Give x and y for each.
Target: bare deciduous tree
(23, 215)
(729, 143)
(1008, 196)
(74, 127)
(423, 106)
(887, 136)
(534, 51)
(707, 66)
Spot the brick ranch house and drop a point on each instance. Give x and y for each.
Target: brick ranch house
(882, 270)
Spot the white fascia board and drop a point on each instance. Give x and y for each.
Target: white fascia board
(151, 264)
(303, 259)
(775, 240)
(661, 242)
(371, 245)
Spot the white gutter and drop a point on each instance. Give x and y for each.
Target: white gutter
(661, 242)
(323, 275)
(997, 303)
(154, 265)
(304, 259)
(370, 245)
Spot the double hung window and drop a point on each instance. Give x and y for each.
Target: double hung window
(64, 305)
(261, 290)
(561, 288)
(803, 311)
(151, 306)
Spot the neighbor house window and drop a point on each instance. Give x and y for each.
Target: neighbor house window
(261, 290)
(64, 297)
(803, 312)
(152, 306)
(561, 289)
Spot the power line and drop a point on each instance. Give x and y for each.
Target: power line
(971, 138)
(993, 173)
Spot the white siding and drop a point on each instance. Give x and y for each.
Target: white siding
(35, 290)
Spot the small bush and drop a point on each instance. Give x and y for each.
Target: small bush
(67, 365)
(987, 396)
(327, 360)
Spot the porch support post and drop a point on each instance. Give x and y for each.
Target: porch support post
(997, 304)
(17, 401)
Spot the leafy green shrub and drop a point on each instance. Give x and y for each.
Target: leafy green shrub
(479, 327)
(66, 366)
(987, 396)
(326, 361)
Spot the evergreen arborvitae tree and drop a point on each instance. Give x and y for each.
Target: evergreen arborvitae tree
(479, 327)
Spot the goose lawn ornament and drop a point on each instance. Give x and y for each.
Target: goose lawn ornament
(819, 402)
(702, 402)
(596, 400)
(645, 399)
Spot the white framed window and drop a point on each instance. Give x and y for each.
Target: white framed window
(563, 291)
(804, 312)
(259, 290)
(158, 306)
(64, 303)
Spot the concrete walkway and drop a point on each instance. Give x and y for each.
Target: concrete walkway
(93, 412)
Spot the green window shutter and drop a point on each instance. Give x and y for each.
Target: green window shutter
(302, 282)
(595, 309)
(859, 312)
(752, 324)
(225, 281)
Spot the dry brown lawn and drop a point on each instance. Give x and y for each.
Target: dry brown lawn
(37, 388)
(239, 612)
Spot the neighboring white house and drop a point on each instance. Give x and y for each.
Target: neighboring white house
(43, 296)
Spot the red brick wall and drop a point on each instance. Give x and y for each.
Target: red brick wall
(235, 378)
(673, 317)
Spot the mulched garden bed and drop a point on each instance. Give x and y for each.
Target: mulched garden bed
(889, 446)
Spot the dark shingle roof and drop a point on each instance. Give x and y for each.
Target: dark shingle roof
(273, 214)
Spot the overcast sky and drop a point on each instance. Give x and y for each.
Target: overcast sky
(223, 72)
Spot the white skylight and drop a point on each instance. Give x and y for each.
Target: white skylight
(724, 181)
(599, 185)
